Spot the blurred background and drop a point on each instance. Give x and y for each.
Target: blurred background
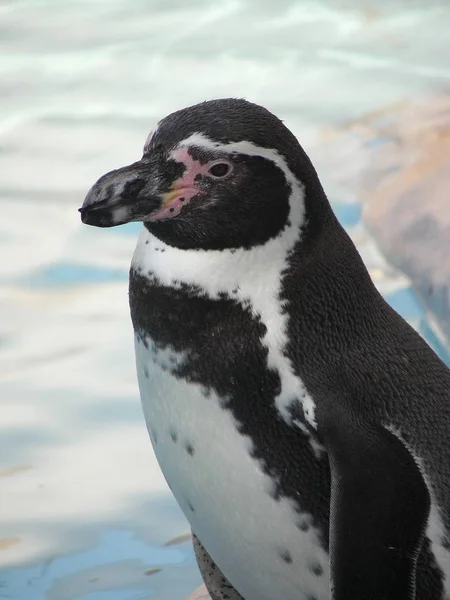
(85, 513)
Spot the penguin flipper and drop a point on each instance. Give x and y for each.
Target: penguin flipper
(216, 583)
(379, 509)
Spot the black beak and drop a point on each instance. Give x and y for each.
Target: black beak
(123, 195)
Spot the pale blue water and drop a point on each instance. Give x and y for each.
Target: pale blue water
(84, 511)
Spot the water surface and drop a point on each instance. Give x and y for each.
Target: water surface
(85, 513)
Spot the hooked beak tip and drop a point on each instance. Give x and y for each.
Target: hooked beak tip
(84, 215)
(114, 198)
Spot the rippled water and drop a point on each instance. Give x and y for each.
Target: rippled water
(84, 511)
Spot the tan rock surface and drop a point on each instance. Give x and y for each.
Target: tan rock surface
(396, 162)
(407, 201)
(200, 594)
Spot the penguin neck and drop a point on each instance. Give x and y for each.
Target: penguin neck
(328, 287)
(218, 272)
(223, 270)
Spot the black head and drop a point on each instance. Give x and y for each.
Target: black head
(220, 174)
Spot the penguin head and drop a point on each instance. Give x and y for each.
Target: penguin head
(222, 174)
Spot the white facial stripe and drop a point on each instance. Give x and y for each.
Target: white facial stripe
(244, 147)
(256, 274)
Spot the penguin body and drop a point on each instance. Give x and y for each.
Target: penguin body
(222, 467)
(301, 424)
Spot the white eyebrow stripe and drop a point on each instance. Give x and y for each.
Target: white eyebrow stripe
(243, 147)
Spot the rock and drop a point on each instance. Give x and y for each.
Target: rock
(200, 594)
(396, 162)
(407, 201)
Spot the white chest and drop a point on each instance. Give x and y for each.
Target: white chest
(223, 491)
(253, 279)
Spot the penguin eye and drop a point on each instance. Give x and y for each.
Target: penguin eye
(219, 169)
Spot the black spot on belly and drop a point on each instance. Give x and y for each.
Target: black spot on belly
(285, 556)
(303, 525)
(189, 448)
(316, 568)
(224, 402)
(191, 507)
(174, 435)
(274, 493)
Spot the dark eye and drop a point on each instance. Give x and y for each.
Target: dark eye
(220, 169)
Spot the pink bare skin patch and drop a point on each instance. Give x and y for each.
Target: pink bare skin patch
(183, 189)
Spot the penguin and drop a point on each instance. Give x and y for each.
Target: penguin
(301, 424)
